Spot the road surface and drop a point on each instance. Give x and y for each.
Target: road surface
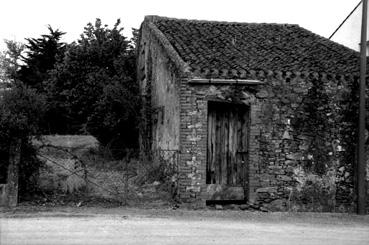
(181, 227)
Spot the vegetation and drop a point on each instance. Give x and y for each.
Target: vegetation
(10, 62)
(315, 120)
(79, 172)
(20, 116)
(40, 57)
(21, 110)
(93, 88)
(89, 85)
(85, 87)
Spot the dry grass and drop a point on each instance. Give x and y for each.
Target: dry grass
(126, 181)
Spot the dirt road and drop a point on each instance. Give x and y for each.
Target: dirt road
(131, 226)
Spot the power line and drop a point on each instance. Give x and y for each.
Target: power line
(343, 22)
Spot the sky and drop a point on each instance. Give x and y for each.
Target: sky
(21, 19)
(349, 33)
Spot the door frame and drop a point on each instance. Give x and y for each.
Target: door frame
(213, 191)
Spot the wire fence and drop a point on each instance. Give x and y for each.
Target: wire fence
(124, 180)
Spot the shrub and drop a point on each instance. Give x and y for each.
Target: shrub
(114, 119)
(313, 192)
(21, 111)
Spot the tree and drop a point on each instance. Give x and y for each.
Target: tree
(93, 88)
(114, 120)
(10, 61)
(21, 110)
(41, 56)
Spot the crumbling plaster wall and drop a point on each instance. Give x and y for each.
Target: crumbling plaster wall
(290, 166)
(159, 87)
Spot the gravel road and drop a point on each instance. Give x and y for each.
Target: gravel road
(133, 226)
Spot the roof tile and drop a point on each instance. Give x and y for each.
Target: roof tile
(225, 49)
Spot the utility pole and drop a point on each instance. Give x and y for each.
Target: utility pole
(361, 164)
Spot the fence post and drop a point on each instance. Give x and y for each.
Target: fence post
(13, 172)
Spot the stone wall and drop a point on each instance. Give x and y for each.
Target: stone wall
(301, 140)
(302, 143)
(193, 118)
(302, 130)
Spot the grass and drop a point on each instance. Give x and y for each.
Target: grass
(125, 181)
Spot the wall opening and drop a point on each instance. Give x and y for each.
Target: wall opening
(227, 150)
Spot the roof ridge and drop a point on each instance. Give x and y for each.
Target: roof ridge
(155, 18)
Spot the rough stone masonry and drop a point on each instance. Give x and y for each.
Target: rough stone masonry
(301, 142)
(302, 111)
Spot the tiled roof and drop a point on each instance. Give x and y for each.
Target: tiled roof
(216, 48)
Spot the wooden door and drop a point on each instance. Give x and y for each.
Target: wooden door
(227, 150)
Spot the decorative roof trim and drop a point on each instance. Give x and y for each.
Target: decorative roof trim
(172, 53)
(225, 81)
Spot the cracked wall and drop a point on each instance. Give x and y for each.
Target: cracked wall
(159, 88)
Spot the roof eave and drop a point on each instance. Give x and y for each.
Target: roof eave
(225, 81)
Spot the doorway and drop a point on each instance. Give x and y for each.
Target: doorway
(227, 151)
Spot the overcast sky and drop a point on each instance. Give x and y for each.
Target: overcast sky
(20, 19)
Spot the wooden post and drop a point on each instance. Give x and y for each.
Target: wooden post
(13, 172)
(361, 164)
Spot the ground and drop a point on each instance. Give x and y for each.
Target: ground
(144, 212)
(123, 225)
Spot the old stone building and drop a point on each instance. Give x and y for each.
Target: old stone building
(256, 113)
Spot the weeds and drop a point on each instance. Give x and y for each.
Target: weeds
(313, 192)
(93, 172)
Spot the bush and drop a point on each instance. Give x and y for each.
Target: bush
(21, 111)
(114, 119)
(313, 192)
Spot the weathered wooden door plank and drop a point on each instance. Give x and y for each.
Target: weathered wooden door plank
(218, 145)
(211, 147)
(227, 145)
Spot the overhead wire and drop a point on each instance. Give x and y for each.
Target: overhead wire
(343, 22)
